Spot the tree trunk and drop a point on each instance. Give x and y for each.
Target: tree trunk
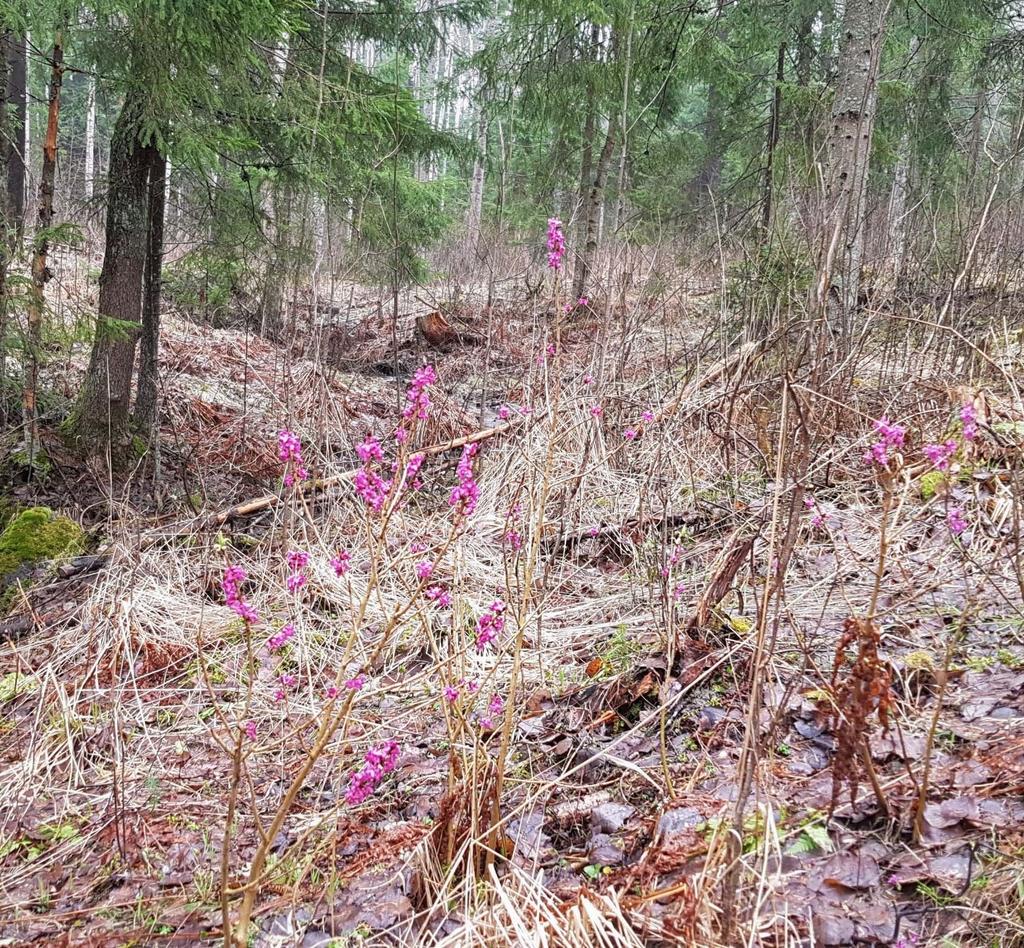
(853, 118)
(6, 223)
(592, 211)
(476, 188)
(90, 140)
(102, 415)
(767, 181)
(17, 100)
(40, 273)
(149, 347)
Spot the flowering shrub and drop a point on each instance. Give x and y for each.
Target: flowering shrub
(891, 438)
(490, 625)
(556, 243)
(290, 452)
(466, 494)
(378, 761)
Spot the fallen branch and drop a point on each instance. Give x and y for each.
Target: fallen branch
(257, 504)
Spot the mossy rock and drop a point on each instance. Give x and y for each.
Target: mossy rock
(33, 536)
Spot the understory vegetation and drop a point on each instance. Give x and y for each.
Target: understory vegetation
(542, 473)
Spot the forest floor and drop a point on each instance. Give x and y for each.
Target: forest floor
(123, 688)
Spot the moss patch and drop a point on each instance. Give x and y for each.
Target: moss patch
(37, 534)
(931, 482)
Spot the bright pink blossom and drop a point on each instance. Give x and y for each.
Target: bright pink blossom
(280, 639)
(424, 568)
(556, 244)
(466, 494)
(234, 576)
(490, 625)
(439, 596)
(377, 762)
(940, 454)
(969, 419)
(956, 521)
(417, 396)
(341, 563)
(891, 438)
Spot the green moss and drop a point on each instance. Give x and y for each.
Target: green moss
(38, 534)
(930, 484)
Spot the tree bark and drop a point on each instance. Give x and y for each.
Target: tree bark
(767, 182)
(102, 416)
(853, 119)
(145, 414)
(6, 223)
(40, 272)
(594, 203)
(474, 216)
(17, 100)
(90, 140)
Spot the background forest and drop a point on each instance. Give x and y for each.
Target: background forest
(542, 472)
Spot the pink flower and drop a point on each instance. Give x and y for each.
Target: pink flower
(424, 568)
(513, 539)
(356, 683)
(490, 625)
(471, 685)
(969, 419)
(583, 301)
(280, 695)
(956, 521)
(289, 450)
(504, 413)
(940, 454)
(341, 563)
(630, 434)
(439, 596)
(370, 450)
(891, 439)
(287, 680)
(556, 243)
(596, 411)
(588, 379)
(417, 398)
(372, 488)
(466, 494)
(297, 560)
(496, 705)
(377, 762)
(401, 435)
(295, 582)
(234, 576)
(648, 416)
(250, 730)
(678, 592)
(486, 724)
(280, 639)
(331, 692)
(451, 695)
(817, 518)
